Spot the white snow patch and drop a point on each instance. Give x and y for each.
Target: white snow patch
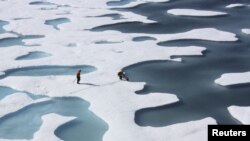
(193, 12)
(240, 113)
(233, 78)
(246, 30)
(234, 5)
(7, 35)
(15, 102)
(211, 34)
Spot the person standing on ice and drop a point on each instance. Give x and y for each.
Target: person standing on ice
(121, 74)
(78, 76)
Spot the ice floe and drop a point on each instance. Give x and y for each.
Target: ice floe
(240, 113)
(246, 30)
(210, 34)
(234, 5)
(193, 12)
(233, 79)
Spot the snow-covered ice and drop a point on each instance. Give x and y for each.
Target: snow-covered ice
(234, 5)
(211, 34)
(7, 35)
(240, 113)
(194, 12)
(246, 30)
(233, 79)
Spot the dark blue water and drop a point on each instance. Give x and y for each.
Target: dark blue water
(167, 23)
(193, 79)
(24, 123)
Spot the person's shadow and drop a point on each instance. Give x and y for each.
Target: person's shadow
(90, 84)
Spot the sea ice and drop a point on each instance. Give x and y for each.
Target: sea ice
(233, 79)
(246, 30)
(240, 113)
(112, 100)
(7, 35)
(234, 5)
(193, 12)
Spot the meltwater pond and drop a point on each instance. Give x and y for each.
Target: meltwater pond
(2, 23)
(119, 3)
(12, 41)
(24, 123)
(33, 55)
(5, 91)
(41, 3)
(48, 70)
(56, 22)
